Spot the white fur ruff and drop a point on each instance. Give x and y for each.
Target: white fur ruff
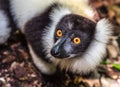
(93, 55)
(43, 66)
(4, 27)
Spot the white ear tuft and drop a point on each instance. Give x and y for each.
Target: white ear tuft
(103, 30)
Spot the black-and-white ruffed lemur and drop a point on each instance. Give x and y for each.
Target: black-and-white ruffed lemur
(60, 33)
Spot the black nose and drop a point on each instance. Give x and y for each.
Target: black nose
(59, 52)
(55, 52)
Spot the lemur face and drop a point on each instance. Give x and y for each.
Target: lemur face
(72, 36)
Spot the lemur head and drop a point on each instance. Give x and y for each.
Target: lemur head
(74, 42)
(72, 36)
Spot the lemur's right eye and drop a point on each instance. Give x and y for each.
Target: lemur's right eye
(59, 33)
(77, 40)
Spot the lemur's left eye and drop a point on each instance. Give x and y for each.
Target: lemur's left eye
(59, 33)
(77, 40)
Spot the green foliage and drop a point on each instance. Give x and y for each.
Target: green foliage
(116, 66)
(105, 62)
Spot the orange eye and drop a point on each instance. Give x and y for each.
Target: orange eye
(76, 40)
(59, 33)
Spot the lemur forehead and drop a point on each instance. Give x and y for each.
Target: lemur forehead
(73, 21)
(70, 25)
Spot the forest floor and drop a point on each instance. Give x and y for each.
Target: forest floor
(18, 70)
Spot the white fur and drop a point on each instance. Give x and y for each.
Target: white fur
(91, 57)
(24, 10)
(80, 7)
(4, 27)
(43, 66)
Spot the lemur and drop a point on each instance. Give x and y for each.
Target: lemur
(59, 33)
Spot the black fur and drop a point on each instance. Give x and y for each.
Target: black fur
(34, 30)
